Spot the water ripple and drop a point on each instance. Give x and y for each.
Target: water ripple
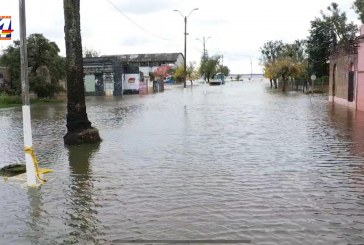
(241, 162)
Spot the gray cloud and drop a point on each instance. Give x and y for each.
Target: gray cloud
(144, 6)
(134, 41)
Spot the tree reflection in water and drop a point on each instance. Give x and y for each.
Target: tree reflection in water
(83, 222)
(36, 214)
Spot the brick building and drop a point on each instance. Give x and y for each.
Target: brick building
(346, 78)
(342, 79)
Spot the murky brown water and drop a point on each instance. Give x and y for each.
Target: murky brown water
(241, 163)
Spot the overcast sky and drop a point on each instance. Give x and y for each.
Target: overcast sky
(238, 28)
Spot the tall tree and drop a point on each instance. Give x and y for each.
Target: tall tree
(41, 53)
(318, 47)
(209, 66)
(328, 32)
(287, 68)
(269, 72)
(359, 9)
(224, 70)
(283, 61)
(43, 58)
(190, 69)
(271, 51)
(179, 74)
(296, 50)
(79, 128)
(11, 59)
(344, 31)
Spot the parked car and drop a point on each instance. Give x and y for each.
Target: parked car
(218, 79)
(169, 79)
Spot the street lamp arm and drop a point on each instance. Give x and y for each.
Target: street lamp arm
(176, 10)
(191, 12)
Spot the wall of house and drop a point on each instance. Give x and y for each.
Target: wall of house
(89, 83)
(340, 66)
(360, 73)
(111, 67)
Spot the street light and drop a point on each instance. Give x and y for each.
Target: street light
(204, 56)
(185, 18)
(204, 45)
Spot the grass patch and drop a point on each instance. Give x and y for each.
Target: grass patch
(10, 100)
(13, 100)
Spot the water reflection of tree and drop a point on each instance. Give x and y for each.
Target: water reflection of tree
(36, 209)
(83, 222)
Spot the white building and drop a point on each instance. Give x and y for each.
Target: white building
(103, 75)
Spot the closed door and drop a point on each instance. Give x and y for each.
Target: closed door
(333, 81)
(351, 87)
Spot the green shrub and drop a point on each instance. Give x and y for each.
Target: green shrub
(42, 88)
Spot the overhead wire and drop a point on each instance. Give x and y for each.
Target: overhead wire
(136, 24)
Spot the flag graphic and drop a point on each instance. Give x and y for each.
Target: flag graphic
(5, 27)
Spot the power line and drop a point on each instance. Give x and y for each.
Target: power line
(132, 21)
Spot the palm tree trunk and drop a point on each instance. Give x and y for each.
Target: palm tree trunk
(79, 128)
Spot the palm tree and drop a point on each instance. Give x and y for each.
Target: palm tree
(79, 128)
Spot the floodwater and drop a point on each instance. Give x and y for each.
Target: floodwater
(239, 164)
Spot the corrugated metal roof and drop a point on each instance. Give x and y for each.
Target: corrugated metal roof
(98, 60)
(146, 57)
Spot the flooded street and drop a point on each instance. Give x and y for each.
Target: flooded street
(239, 163)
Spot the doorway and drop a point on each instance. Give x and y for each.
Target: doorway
(351, 83)
(333, 81)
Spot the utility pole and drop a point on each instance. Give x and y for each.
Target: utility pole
(204, 57)
(204, 48)
(204, 41)
(27, 128)
(185, 61)
(185, 51)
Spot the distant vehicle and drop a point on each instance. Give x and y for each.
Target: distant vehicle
(218, 79)
(169, 79)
